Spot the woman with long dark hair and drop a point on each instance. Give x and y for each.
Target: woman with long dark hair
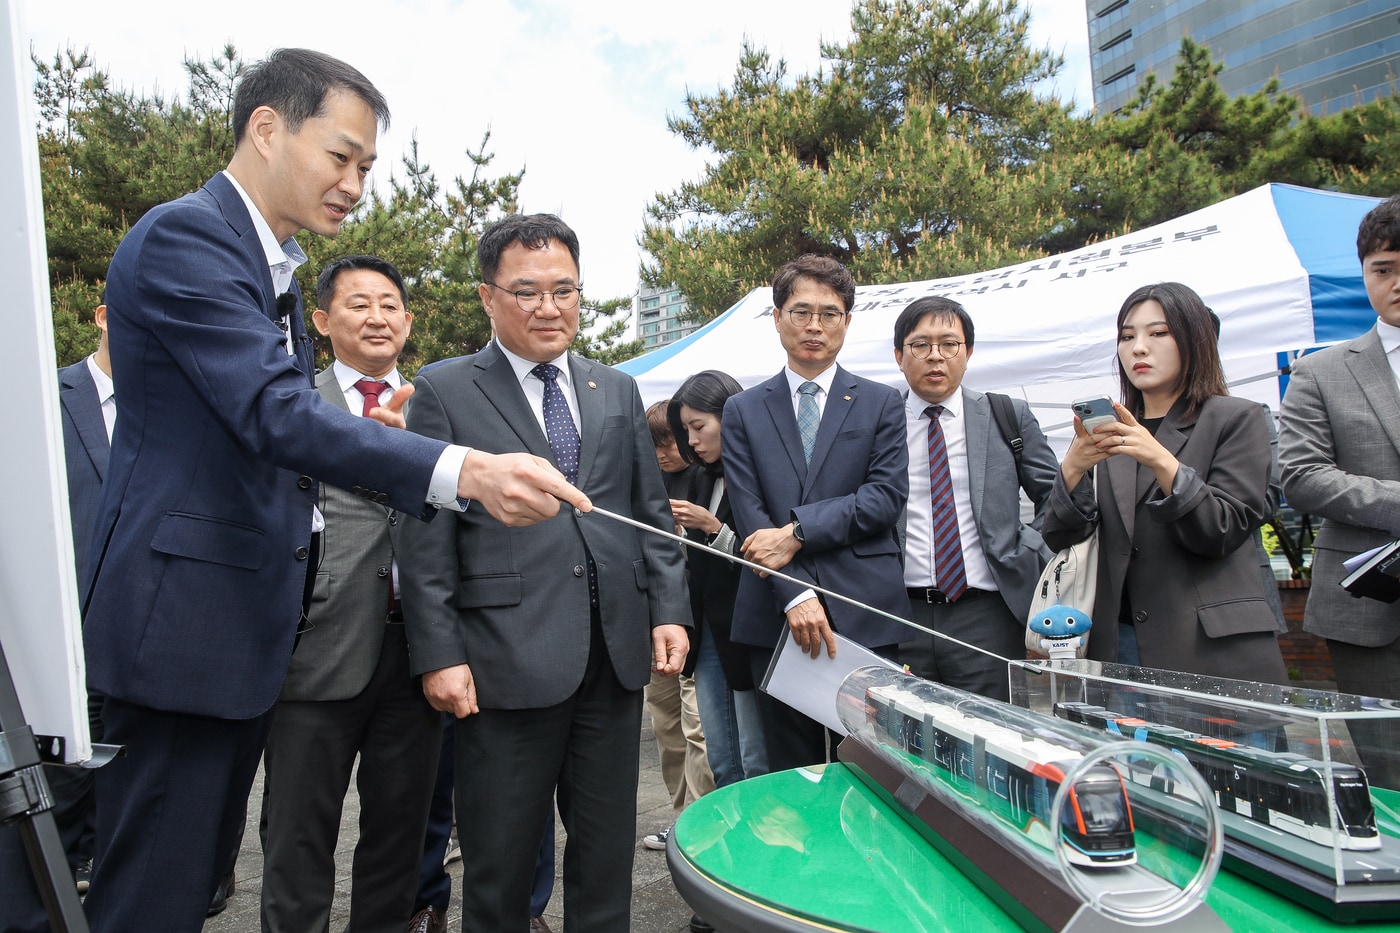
(724, 684)
(1177, 502)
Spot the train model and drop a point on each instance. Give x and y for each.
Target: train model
(1013, 775)
(1276, 788)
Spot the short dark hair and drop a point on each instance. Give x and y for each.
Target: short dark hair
(295, 82)
(1189, 321)
(705, 392)
(1380, 228)
(943, 309)
(821, 269)
(659, 424)
(532, 231)
(326, 281)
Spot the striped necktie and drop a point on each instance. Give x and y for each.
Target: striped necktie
(947, 544)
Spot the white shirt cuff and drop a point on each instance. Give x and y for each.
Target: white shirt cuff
(442, 490)
(801, 598)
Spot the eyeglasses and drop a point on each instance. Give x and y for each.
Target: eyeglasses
(920, 349)
(530, 300)
(803, 316)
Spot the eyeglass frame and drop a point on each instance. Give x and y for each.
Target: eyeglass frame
(551, 292)
(940, 344)
(821, 316)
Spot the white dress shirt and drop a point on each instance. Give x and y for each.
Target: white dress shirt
(919, 567)
(105, 395)
(1390, 343)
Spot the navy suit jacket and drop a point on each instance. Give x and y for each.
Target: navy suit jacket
(849, 501)
(86, 451)
(200, 547)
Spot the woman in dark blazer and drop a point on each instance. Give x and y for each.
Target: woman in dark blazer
(724, 686)
(1177, 502)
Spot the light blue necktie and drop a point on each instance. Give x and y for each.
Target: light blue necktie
(809, 417)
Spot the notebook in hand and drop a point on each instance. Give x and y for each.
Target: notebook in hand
(1378, 577)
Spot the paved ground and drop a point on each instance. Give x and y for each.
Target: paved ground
(656, 907)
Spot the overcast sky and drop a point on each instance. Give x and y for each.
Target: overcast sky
(576, 93)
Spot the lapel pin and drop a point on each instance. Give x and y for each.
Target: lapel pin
(592, 384)
(848, 398)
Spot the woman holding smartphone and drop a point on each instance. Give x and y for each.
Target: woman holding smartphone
(724, 686)
(1182, 476)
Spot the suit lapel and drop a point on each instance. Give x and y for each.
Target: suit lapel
(977, 429)
(778, 401)
(79, 396)
(1172, 435)
(329, 388)
(1371, 370)
(496, 380)
(838, 405)
(592, 400)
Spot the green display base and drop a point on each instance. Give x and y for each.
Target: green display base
(815, 849)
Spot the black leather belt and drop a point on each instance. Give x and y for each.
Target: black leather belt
(934, 596)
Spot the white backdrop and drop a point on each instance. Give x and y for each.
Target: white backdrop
(38, 590)
(1045, 329)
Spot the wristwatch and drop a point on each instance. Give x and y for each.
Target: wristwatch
(797, 532)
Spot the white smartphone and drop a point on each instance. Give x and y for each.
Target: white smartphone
(1094, 411)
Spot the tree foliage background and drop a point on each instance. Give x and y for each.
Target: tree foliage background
(107, 156)
(924, 147)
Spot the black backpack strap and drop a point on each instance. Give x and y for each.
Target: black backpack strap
(1005, 416)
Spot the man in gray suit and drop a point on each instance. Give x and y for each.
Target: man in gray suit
(348, 690)
(540, 640)
(1339, 443)
(983, 592)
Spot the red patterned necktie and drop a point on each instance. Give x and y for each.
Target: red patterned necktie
(371, 389)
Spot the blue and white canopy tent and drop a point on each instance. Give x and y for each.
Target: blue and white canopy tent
(1278, 265)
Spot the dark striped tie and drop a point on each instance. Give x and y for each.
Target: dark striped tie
(947, 544)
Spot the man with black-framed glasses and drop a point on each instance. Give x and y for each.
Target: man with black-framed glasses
(816, 468)
(970, 562)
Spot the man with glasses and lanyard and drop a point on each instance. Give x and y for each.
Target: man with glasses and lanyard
(818, 475)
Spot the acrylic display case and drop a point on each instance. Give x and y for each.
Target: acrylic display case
(1040, 812)
(1306, 782)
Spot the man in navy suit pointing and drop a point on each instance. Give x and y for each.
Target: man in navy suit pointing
(203, 536)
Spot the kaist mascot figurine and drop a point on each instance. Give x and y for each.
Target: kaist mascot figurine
(1062, 632)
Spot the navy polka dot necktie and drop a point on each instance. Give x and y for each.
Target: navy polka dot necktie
(559, 424)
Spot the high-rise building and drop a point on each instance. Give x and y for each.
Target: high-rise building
(657, 313)
(1332, 53)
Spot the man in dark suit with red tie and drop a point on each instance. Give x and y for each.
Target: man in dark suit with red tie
(204, 529)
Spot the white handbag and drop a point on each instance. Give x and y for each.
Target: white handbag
(1070, 579)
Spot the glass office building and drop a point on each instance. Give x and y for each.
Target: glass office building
(657, 313)
(1332, 53)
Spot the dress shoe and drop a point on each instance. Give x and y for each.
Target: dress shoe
(699, 924)
(428, 920)
(82, 877)
(221, 895)
(537, 925)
